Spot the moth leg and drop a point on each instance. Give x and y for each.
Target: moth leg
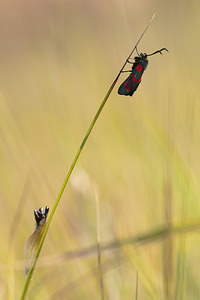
(137, 51)
(130, 62)
(126, 71)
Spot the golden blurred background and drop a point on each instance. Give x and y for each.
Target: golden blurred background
(58, 59)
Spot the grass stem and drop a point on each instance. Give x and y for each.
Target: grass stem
(30, 274)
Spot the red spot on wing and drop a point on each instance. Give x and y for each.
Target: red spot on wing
(127, 86)
(140, 79)
(139, 68)
(133, 78)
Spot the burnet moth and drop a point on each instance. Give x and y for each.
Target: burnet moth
(130, 85)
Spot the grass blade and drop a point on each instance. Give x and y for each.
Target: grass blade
(30, 274)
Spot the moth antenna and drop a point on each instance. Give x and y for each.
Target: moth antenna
(158, 51)
(137, 44)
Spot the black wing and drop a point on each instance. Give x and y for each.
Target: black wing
(130, 85)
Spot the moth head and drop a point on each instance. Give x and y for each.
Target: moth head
(143, 55)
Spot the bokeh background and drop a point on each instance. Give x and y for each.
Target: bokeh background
(57, 61)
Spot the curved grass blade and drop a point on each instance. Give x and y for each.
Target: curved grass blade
(30, 273)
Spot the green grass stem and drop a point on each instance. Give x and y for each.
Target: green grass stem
(30, 274)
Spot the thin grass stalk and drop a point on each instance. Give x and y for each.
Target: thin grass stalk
(30, 274)
(136, 291)
(99, 247)
(181, 259)
(11, 240)
(107, 265)
(168, 246)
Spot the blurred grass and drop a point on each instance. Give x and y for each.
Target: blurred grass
(57, 61)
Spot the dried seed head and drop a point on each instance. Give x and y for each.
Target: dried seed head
(41, 215)
(33, 241)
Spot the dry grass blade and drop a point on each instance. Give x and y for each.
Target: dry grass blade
(136, 292)
(99, 246)
(138, 241)
(13, 231)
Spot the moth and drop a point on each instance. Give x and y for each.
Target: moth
(130, 85)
